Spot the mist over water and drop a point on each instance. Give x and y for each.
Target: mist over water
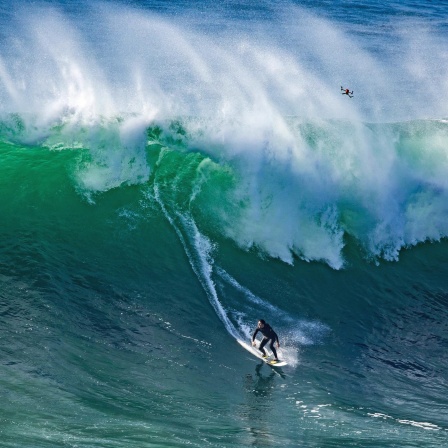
(113, 59)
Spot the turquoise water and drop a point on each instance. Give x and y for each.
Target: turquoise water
(172, 172)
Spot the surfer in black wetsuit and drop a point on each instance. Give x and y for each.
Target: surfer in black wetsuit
(268, 335)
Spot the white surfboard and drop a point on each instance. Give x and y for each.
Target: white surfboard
(257, 353)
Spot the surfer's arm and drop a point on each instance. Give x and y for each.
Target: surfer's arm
(276, 339)
(255, 333)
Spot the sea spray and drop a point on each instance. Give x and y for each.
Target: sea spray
(54, 60)
(306, 169)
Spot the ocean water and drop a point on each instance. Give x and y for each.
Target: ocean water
(171, 172)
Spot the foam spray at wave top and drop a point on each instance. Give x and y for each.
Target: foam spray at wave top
(305, 167)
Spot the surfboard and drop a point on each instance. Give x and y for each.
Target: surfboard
(257, 353)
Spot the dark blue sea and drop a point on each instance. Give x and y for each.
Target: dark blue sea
(173, 171)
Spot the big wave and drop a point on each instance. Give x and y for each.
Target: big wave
(249, 124)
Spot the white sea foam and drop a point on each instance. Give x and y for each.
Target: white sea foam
(422, 425)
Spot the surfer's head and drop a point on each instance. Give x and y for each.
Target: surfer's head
(261, 323)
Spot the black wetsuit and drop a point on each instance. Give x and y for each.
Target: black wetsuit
(268, 335)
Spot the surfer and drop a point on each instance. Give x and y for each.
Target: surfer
(347, 92)
(268, 335)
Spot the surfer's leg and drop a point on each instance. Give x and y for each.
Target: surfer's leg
(271, 346)
(262, 344)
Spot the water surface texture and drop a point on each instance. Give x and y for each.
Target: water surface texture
(171, 172)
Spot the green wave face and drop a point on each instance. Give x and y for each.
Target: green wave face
(330, 182)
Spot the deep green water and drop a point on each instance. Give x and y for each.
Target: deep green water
(110, 337)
